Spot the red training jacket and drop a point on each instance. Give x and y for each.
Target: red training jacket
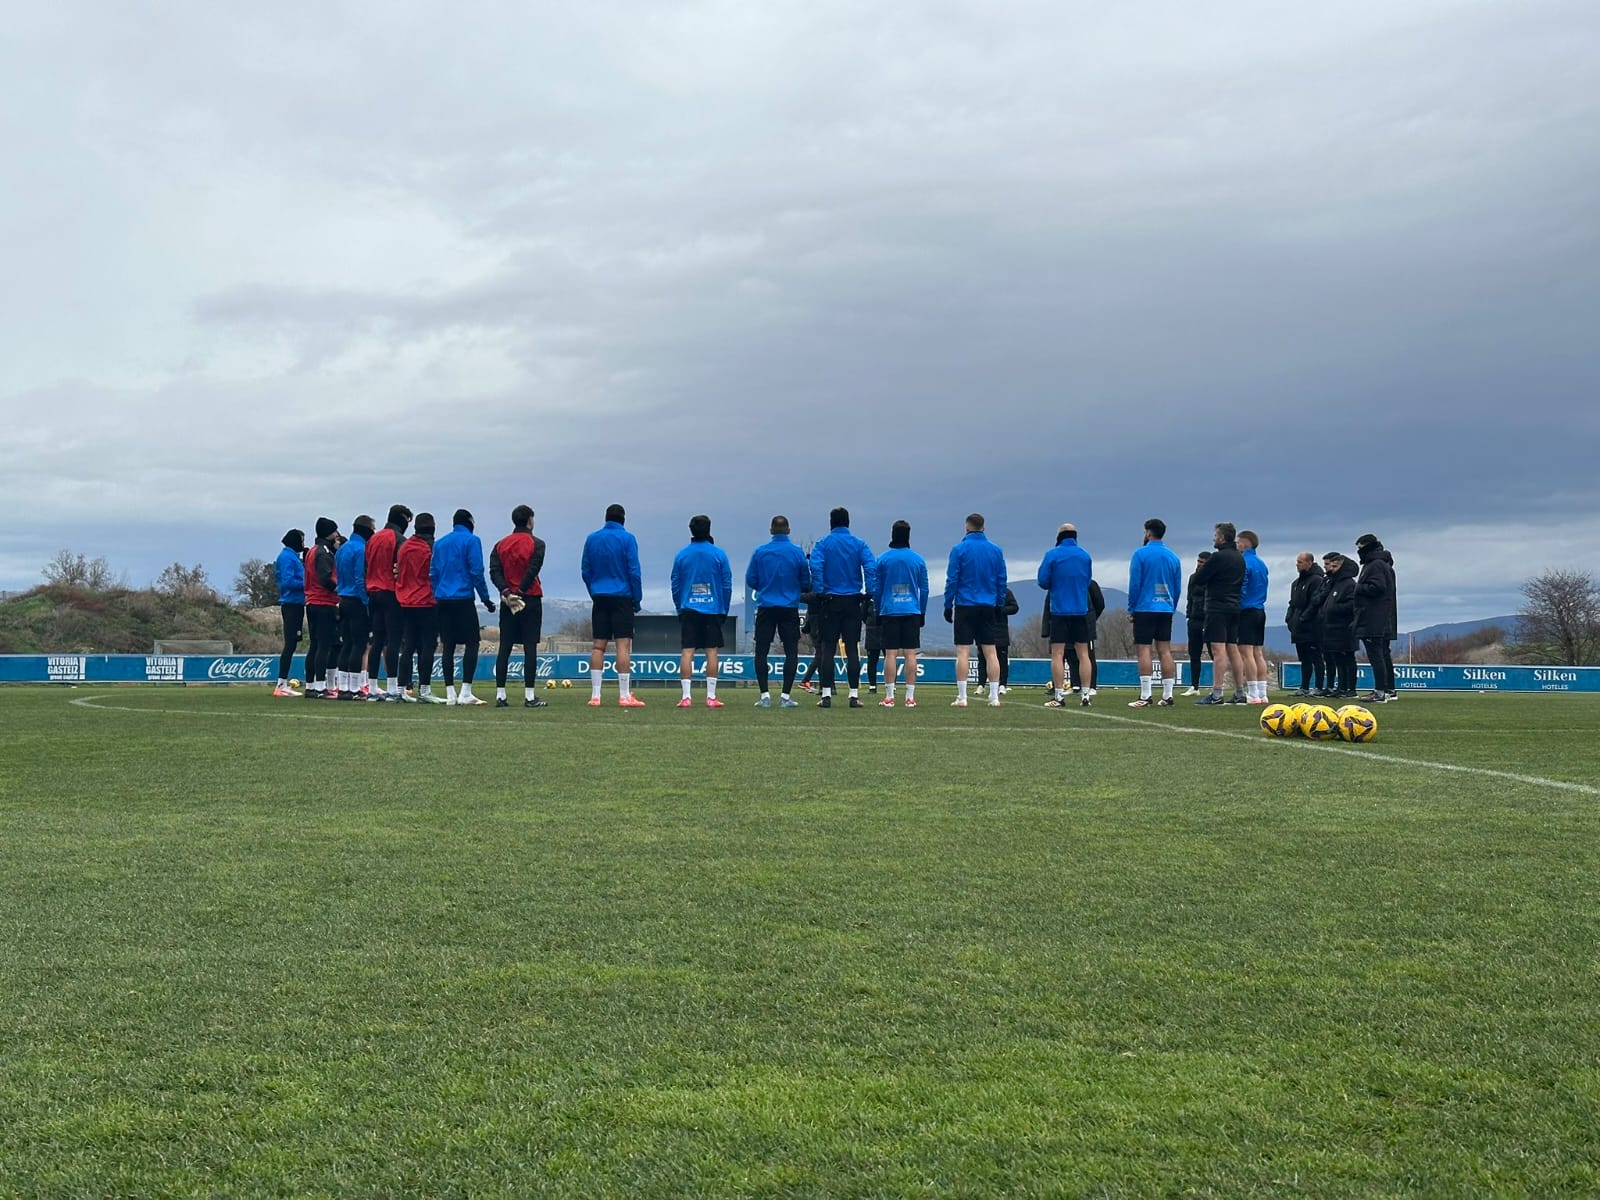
(315, 592)
(381, 561)
(509, 562)
(416, 557)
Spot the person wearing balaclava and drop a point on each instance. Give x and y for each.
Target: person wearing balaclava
(322, 608)
(353, 617)
(290, 570)
(418, 615)
(1377, 618)
(457, 572)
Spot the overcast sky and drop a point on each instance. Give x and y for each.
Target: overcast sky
(1317, 270)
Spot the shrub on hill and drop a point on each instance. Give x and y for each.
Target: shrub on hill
(62, 619)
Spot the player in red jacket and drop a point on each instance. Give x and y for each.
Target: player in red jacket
(418, 621)
(514, 566)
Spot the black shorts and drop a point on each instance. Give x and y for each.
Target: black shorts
(699, 630)
(1151, 627)
(524, 628)
(974, 623)
(1222, 628)
(1253, 627)
(612, 618)
(458, 622)
(784, 622)
(1070, 631)
(901, 633)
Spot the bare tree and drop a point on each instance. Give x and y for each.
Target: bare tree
(256, 584)
(1114, 635)
(1560, 619)
(80, 571)
(187, 583)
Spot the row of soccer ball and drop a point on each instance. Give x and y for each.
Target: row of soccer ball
(1319, 723)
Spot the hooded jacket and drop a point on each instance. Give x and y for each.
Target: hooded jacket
(902, 584)
(842, 565)
(383, 549)
(1253, 591)
(322, 574)
(457, 568)
(413, 588)
(352, 567)
(1339, 610)
(1194, 610)
(778, 573)
(1305, 604)
(702, 579)
(1154, 578)
(611, 564)
(1377, 617)
(291, 573)
(1065, 574)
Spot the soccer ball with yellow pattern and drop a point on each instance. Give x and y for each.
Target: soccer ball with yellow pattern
(566, 683)
(1277, 720)
(1297, 715)
(1319, 724)
(1356, 724)
(550, 683)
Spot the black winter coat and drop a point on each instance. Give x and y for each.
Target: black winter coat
(1376, 613)
(1339, 611)
(1222, 577)
(1002, 625)
(1305, 603)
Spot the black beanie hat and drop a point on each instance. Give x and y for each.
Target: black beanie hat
(399, 514)
(424, 523)
(462, 517)
(363, 525)
(1366, 541)
(326, 527)
(295, 539)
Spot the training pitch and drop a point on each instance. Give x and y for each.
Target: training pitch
(258, 946)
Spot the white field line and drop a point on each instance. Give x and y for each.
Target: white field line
(1124, 724)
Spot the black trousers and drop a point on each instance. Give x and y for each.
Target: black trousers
(1197, 652)
(386, 633)
(1382, 663)
(321, 621)
(525, 629)
(419, 637)
(1342, 669)
(353, 630)
(458, 626)
(1313, 669)
(294, 619)
(784, 623)
(841, 620)
(1003, 653)
(1073, 672)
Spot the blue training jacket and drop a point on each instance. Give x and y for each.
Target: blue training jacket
(778, 573)
(976, 576)
(841, 565)
(457, 567)
(611, 564)
(1254, 592)
(702, 579)
(1155, 579)
(1065, 574)
(291, 577)
(902, 584)
(350, 565)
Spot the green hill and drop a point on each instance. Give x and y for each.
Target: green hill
(56, 619)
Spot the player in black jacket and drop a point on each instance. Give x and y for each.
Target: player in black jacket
(1194, 615)
(1222, 578)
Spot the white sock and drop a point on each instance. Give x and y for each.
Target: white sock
(528, 693)
(911, 691)
(711, 687)
(449, 691)
(283, 683)
(994, 689)
(855, 693)
(1167, 684)
(1144, 687)
(961, 689)
(499, 693)
(768, 695)
(594, 685)
(827, 691)
(466, 691)
(625, 683)
(785, 695)
(394, 687)
(686, 686)
(888, 691)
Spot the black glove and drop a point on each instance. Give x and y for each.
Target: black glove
(488, 605)
(922, 619)
(950, 615)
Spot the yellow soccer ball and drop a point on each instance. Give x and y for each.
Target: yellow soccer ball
(1277, 720)
(1356, 724)
(1297, 715)
(550, 683)
(1320, 723)
(294, 683)
(566, 683)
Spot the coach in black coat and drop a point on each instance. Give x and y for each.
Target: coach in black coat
(1377, 616)
(1305, 603)
(1338, 614)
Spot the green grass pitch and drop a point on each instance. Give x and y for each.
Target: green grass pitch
(277, 947)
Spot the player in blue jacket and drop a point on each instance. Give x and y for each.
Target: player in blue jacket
(974, 598)
(616, 592)
(350, 567)
(1253, 619)
(1065, 574)
(902, 603)
(456, 572)
(702, 588)
(290, 571)
(843, 575)
(1155, 578)
(778, 574)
